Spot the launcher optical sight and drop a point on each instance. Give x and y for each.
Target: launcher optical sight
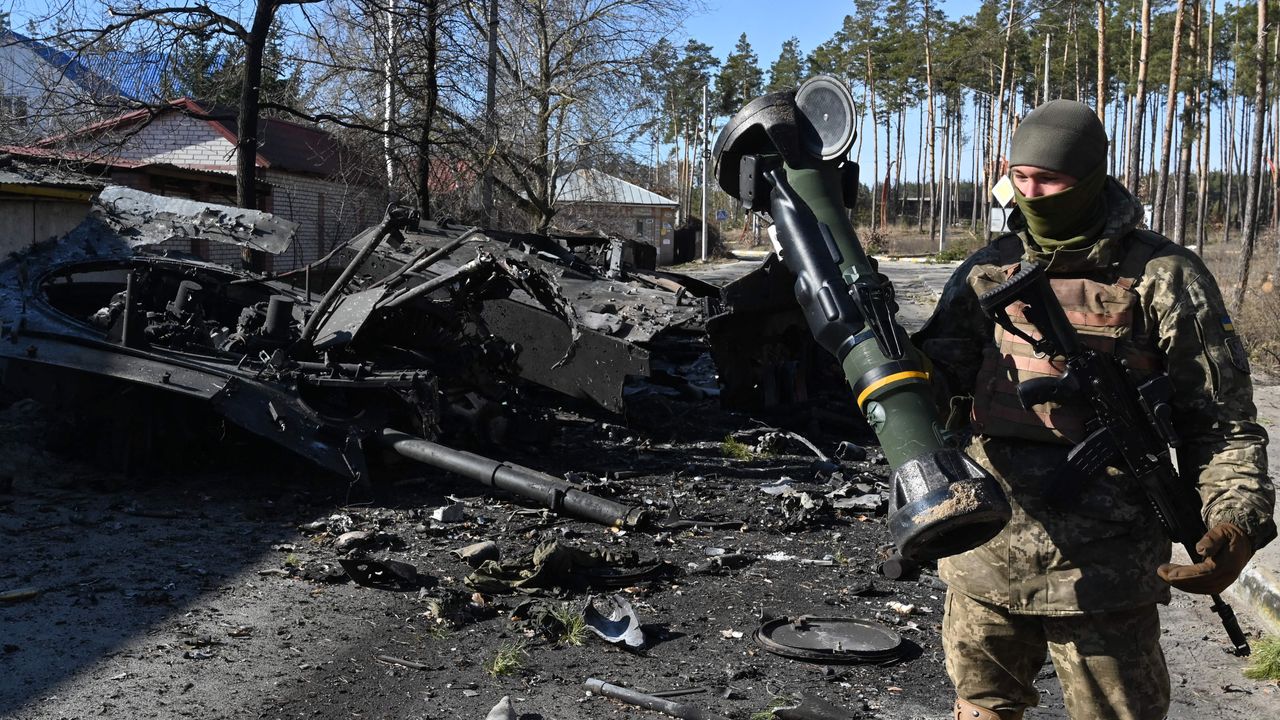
(786, 154)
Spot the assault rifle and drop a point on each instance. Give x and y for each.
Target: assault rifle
(1132, 425)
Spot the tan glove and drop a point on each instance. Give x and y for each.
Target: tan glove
(1225, 549)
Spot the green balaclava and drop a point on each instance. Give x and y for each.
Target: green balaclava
(1064, 136)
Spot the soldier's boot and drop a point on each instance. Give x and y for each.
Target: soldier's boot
(965, 710)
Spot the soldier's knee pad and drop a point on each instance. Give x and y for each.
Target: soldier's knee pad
(965, 710)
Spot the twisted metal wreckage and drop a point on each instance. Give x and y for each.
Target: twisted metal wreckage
(416, 338)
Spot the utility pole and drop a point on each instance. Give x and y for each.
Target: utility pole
(490, 114)
(706, 153)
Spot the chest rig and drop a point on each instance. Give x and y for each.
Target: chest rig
(1101, 305)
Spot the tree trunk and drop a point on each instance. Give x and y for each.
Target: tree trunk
(424, 137)
(1166, 143)
(1102, 62)
(875, 144)
(920, 160)
(1275, 147)
(998, 108)
(1206, 114)
(1186, 137)
(247, 122)
(542, 135)
(389, 100)
(490, 109)
(1075, 50)
(928, 84)
(1151, 148)
(1249, 232)
(1140, 102)
(1128, 100)
(1230, 148)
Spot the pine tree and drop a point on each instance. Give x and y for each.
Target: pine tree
(788, 70)
(740, 79)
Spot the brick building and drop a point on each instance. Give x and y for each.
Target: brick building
(304, 173)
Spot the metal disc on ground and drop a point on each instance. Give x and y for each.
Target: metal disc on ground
(830, 640)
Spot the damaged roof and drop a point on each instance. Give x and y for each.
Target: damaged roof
(26, 179)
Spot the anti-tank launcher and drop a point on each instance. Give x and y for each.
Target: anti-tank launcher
(786, 154)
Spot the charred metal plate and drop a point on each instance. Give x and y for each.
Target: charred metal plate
(144, 218)
(597, 369)
(349, 315)
(830, 640)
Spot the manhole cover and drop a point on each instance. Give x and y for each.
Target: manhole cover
(829, 640)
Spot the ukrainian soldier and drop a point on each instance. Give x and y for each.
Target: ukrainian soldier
(1082, 581)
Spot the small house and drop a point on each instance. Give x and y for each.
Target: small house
(613, 205)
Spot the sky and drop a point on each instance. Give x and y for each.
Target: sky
(812, 22)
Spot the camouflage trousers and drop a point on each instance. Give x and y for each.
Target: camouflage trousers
(1110, 664)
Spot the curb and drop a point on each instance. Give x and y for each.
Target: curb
(1258, 589)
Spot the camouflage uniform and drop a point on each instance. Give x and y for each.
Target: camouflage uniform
(1099, 558)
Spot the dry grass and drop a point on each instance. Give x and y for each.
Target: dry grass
(1256, 318)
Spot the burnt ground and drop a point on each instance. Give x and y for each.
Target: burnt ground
(211, 590)
(205, 594)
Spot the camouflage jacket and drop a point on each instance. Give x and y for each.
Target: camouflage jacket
(1102, 553)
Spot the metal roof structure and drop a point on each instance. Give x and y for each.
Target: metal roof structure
(68, 64)
(593, 186)
(131, 74)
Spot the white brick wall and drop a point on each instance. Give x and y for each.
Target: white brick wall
(343, 212)
(176, 139)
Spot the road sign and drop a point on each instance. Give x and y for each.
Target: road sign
(722, 215)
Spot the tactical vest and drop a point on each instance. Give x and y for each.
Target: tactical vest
(1103, 308)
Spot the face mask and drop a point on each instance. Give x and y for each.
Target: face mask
(1067, 220)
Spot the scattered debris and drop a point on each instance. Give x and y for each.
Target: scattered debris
(620, 626)
(411, 664)
(649, 702)
(850, 452)
(19, 595)
(456, 512)
(502, 711)
(829, 639)
(896, 567)
(354, 540)
(476, 554)
(721, 563)
(903, 609)
(812, 707)
(382, 574)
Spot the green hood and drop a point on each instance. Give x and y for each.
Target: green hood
(1123, 214)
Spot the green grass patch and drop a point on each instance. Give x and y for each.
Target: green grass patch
(509, 659)
(956, 251)
(1264, 662)
(736, 449)
(572, 623)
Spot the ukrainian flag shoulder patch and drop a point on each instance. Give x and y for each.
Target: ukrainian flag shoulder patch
(1227, 325)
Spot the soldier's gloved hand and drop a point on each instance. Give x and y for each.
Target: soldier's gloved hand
(1225, 549)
